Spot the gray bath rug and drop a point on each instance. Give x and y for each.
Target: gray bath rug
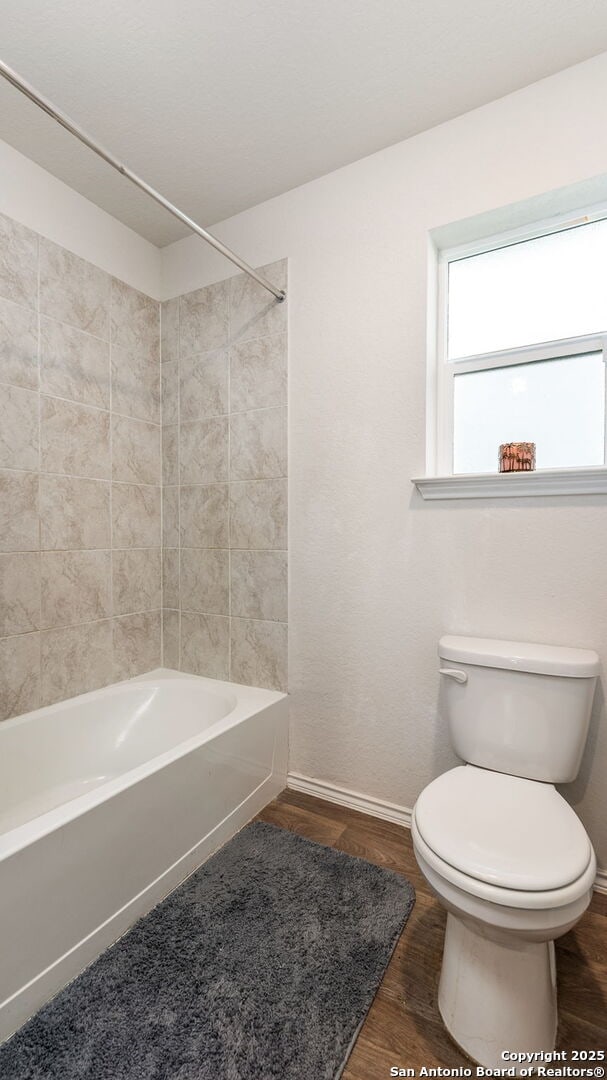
(261, 966)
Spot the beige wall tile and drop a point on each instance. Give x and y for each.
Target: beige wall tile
(203, 319)
(74, 291)
(170, 516)
(18, 428)
(135, 451)
(170, 639)
(19, 593)
(170, 455)
(259, 653)
(137, 644)
(74, 365)
(135, 384)
(259, 585)
(67, 511)
(203, 451)
(246, 509)
(170, 392)
(74, 439)
(74, 513)
(19, 675)
(170, 577)
(203, 385)
(204, 514)
(258, 444)
(18, 345)
(169, 333)
(18, 262)
(205, 580)
(76, 587)
(205, 645)
(258, 373)
(258, 514)
(19, 520)
(135, 516)
(135, 320)
(253, 310)
(137, 580)
(74, 660)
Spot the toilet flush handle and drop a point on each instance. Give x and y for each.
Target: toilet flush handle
(452, 673)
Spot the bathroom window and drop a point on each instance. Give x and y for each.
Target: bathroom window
(521, 348)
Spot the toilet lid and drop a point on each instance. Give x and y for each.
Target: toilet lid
(511, 832)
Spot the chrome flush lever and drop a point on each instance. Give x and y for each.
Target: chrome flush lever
(452, 673)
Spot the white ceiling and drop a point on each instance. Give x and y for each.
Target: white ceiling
(221, 104)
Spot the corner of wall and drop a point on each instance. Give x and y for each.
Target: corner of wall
(35, 198)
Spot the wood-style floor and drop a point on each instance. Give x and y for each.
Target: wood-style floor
(403, 1027)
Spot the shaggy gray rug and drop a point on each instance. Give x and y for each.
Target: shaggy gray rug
(262, 965)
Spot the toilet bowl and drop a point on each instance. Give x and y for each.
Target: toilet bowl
(497, 989)
(503, 851)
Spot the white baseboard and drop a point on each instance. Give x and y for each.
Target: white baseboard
(367, 804)
(600, 883)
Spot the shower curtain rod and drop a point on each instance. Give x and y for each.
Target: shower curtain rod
(43, 103)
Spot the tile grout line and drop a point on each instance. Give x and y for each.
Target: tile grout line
(162, 508)
(80, 476)
(83, 622)
(77, 550)
(73, 326)
(140, 483)
(178, 478)
(139, 547)
(38, 348)
(241, 618)
(286, 416)
(226, 415)
(111, 435)
(229, 362)
(85, 404)
(237, 344)
(215, 547)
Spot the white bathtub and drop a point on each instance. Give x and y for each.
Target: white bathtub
(110, 799)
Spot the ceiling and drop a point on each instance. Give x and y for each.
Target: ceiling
(221, 104)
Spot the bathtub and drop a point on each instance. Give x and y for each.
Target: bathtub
(109, 800)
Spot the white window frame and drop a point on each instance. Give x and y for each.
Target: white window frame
(443, 372)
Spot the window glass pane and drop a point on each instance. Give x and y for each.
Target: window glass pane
(539, 290)
(557, 404)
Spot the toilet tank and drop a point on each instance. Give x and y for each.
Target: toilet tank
(517, 708)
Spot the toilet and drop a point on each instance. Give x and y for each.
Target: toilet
(500, 847)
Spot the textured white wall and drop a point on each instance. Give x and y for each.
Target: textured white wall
(377, 574)
(31, 195)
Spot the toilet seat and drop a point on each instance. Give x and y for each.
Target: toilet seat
(504, 838)
(495, 894)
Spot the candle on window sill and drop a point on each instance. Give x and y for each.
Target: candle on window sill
(517, 457)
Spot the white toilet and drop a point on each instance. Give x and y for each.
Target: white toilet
(505, 854)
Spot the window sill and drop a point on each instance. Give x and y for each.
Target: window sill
(590, 481)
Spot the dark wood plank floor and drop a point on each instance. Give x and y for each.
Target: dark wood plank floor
(403, 1027)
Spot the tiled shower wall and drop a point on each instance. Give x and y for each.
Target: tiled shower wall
(224, 396)
(80, 504)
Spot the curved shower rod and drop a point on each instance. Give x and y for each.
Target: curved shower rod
(43, 103)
